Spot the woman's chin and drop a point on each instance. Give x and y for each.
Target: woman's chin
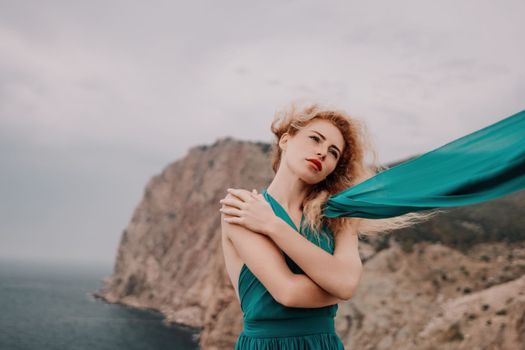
(311, 179)
(308, 175)
(312, 175)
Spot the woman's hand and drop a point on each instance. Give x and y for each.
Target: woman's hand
(249, 209)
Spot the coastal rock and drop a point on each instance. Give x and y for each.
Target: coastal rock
(438, 298)
(170, 258)
(455, 282)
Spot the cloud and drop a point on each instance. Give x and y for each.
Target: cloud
(96, 97)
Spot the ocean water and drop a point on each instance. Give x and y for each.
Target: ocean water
(49, 306)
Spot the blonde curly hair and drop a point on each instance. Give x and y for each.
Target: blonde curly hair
(351, 169)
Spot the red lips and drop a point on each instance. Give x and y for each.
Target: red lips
(317, 164)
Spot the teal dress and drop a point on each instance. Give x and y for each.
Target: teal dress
(269, 325)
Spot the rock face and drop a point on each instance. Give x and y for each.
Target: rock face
(438, 298)
(429, 296)
(170, 258)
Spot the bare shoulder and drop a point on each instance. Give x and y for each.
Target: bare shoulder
(261, 255)
(232, 261)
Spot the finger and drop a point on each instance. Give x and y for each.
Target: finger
(231, 211)
(231, 196)
(233, 220)
(242, 194)
(232, 201)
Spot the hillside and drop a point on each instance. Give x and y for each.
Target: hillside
(454, 282)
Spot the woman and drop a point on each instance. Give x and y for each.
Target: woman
(290, 300)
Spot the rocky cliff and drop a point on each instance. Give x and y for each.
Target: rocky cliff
(437, 289)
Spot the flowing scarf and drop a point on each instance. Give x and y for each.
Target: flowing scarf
(484, 165)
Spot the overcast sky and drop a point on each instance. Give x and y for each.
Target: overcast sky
(98, 96)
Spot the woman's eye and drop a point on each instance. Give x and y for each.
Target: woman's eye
(317, 139)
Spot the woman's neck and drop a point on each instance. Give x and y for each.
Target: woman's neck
(289, 191)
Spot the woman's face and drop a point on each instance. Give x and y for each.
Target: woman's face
(312, 154)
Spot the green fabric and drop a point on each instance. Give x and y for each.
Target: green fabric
(484, 165)
(271, 326)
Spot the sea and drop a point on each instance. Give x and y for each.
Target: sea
(50, 306)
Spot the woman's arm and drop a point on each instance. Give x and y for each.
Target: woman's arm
(266, 261)
(339, 274)
(305, 293)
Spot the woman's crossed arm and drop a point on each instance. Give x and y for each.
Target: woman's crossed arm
(266, 261)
